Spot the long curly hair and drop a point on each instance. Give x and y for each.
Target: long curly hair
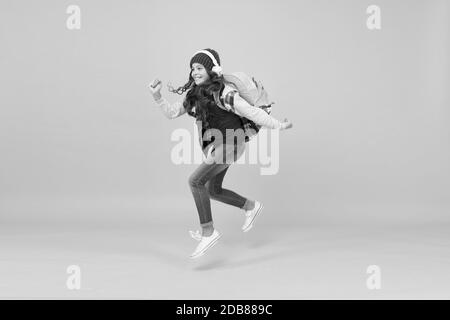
(200, 97)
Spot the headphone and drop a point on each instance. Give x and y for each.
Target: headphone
(217, 69)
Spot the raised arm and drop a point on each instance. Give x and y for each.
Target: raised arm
(171, 111)
(234, 102)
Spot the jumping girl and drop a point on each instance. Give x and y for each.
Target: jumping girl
(218, 130)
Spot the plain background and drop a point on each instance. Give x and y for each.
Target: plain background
(80, 136)
(86, 176)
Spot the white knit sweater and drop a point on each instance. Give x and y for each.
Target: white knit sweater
(241, 108)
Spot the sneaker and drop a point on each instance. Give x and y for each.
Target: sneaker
(250, 216)
(196, 235)
(205, 244)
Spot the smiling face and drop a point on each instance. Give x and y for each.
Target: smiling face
(199, 73)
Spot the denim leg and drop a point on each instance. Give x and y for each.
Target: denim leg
(216, 192)
(216, 162)
(197, 182)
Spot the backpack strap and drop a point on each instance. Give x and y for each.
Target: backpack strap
(219, 101)
(229, 100)
(226, 103)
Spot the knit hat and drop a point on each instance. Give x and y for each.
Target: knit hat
(209, 58)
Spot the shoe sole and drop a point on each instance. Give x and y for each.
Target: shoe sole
(212, 244)
(253, 220)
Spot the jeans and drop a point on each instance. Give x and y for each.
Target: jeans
(206, 181)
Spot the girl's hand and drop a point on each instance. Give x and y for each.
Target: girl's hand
(286, 124)
(155, 88)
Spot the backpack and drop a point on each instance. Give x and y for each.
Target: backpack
(251, 91)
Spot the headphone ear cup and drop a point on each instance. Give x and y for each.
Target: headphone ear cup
(217, 69)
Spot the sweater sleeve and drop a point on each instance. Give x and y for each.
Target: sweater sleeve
(171, 111)
(234, 102)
